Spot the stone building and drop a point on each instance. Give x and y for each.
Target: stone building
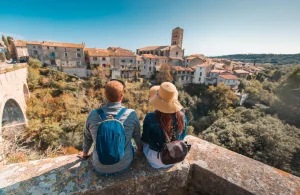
(193, 60)
(177, 37)
(123, 63)
(68, 57)
(173, 52)
(98, 57)
(19, 49)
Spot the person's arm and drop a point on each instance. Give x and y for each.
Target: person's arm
(136, 135)
(184, 132)
(87, 140)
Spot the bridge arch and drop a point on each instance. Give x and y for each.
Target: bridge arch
(11, 113)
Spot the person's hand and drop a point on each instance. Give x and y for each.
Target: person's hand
(83, 156)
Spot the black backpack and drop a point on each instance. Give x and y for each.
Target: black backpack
(173, 151)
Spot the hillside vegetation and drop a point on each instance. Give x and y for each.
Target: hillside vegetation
(266, 128)
(276, 59)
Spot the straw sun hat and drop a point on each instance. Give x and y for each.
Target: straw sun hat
(166, 98)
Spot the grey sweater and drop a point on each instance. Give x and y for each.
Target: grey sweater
(132, 130)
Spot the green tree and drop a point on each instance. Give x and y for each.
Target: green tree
(34, 63)
(221, 97)
(5, 41)
(252, 133)
(2, 57)
(164, 74)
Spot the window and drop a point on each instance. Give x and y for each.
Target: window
(183, 72)
(40, 47)
(52, 54)
(66, 55)
(78, 49)
(150, 62)
(179, 72)
(78, 55)
(144, 67)
(95, 58)
(55, 48)
(131, 61)
(47, 47)
(78, 63)
(187, 60)
(174, 42)
(103, 59)
(186, 78)
(165, 61)
(200, 68)
(199, 78)
(34, 47)
(150, 68)
(123, 61)
(200, 74)
(52, 62)
(177, 53)
(35, 52)
(182, 78)
(104, 65)
(65, 49)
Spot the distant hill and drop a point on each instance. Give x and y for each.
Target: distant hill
(276, 59)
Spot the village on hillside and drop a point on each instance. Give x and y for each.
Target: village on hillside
(146, 62)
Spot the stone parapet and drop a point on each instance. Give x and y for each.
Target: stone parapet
(208, 169)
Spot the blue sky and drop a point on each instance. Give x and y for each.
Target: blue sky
(211, 27)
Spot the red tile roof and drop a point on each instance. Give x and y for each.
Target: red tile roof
(59, 44)
(98, 52)
(179, 68)
(228, 76)
(20, 43)
(118, 51)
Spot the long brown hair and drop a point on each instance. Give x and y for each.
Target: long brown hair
(165, 121)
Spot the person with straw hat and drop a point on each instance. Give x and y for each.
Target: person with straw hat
(166, 119)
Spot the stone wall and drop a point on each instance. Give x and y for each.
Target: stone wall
(208, 169)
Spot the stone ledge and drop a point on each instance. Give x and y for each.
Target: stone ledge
(208, 169)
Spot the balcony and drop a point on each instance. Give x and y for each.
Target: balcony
(208, 169)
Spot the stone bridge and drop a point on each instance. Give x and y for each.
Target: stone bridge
(13, 95)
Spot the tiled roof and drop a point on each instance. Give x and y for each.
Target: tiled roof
(162, 57)
(198, 55)
(149, 48)
(180, 68)
(228, 76)
(241, 72)
(118, 51)
(97, 52)
(200, 65)
(20, 43)
(34, 42)
(59, 44)
(139, 58)
(218, 71)
(150, 56)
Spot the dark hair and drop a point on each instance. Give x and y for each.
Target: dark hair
(165, 121)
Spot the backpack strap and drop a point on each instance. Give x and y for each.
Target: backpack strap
(122, 111)
(101, 113)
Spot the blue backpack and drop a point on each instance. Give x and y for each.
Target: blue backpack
(110, 141)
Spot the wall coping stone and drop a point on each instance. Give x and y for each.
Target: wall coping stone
(208, 169)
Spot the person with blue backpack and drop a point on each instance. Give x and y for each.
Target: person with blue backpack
(111, 129)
